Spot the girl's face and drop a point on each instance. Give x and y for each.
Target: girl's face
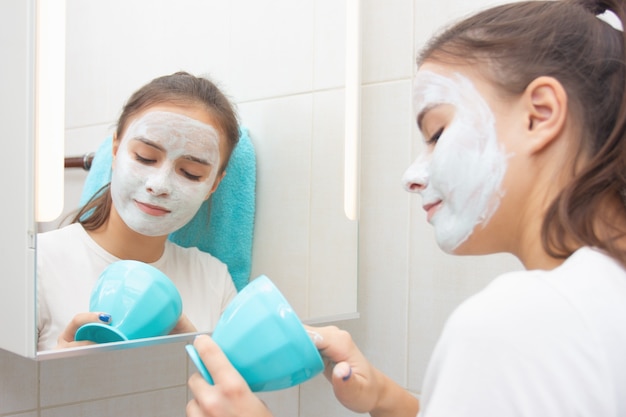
(460, 173)
(165, 165)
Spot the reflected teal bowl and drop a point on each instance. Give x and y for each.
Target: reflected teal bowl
(264, 340)
(143, 302)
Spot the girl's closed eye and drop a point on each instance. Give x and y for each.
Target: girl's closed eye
(190, 176)
(144, 159)
(434, 138)
(193, 171)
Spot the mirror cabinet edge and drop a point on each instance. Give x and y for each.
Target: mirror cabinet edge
(17, 294)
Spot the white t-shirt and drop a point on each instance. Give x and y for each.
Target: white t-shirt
(536, 343)
(69, 263)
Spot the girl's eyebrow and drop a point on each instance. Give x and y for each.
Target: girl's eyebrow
(155, 145)
(149, 143)
(196, 159)
(423, 112)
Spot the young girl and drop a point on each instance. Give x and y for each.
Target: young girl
(523, 112)
(171, 146)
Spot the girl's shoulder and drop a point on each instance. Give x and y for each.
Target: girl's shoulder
(581, 302)
(67, 239)
(560, 329)
(73, 229)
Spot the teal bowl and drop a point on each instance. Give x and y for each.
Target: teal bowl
(264, 340)
(142, 301)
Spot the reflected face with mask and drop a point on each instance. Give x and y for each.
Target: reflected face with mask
(460, 172)
(166, 164)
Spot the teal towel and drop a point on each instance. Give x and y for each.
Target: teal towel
(227, 232)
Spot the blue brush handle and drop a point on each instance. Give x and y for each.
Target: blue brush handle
(195, 358)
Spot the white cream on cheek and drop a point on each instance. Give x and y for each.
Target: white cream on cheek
(160, 184)
(466, 168)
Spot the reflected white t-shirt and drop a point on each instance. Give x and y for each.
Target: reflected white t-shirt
(536, 343)
(69, 263)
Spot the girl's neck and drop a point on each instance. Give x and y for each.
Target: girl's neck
(122, 242)
(536, 258)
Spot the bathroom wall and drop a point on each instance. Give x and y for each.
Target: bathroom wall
(407, 287)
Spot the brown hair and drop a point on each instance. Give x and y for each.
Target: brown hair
(179, 88)
(519, 42)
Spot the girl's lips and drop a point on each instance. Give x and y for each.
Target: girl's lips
(431, 209)
(151, 210)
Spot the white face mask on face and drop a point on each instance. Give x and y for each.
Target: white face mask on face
(465, 169)
(154, 188)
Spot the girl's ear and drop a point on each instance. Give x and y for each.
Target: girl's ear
(218, 179)
(546, 106)
(116, 144)
(114, 148)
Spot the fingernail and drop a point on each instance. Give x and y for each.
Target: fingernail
(104, 317)
(342, 370)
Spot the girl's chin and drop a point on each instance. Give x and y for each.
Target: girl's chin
(453, 247)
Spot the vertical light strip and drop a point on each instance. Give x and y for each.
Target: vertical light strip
(49, 108)
(352, 109)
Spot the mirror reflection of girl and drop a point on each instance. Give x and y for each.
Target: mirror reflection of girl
(170, 149)
(523, 111)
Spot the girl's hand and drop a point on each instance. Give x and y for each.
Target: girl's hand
(66, 339)
(184, 325)
(230, 396)
(354, 379)
(357, 384)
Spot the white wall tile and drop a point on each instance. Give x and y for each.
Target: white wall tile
(282, 403)
(18, 383)
(430, 17)
(317, 399)
(107, 374)
(334, 238)
(116, 46)
(160, 403)
(28, 414)
(89, 61)
(387, 40)
(383, 233)
(78, 142)
(280, 130)
(299, 145)
(272, 52)
(330, 44)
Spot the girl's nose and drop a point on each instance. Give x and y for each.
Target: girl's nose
(159, 184)
(414, 186)
(415, 178)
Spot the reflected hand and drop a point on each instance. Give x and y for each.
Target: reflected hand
(184, 325)
(230, 396)
(66, 339)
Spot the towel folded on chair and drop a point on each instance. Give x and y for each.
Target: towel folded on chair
(224, 224)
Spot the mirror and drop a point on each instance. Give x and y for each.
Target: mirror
(284, 65)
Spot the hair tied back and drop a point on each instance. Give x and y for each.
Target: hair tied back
(597, 7)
